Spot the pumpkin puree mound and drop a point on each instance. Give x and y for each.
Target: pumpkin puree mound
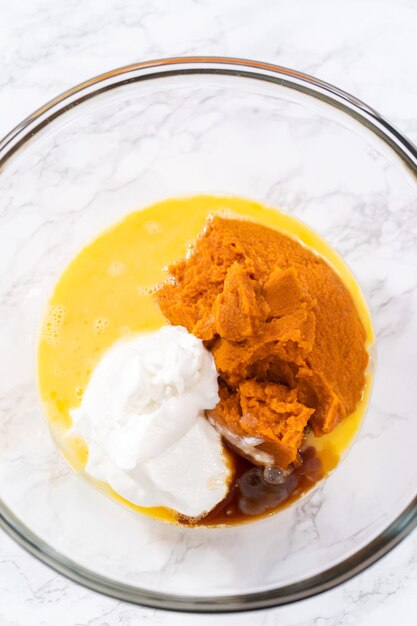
(283, 329)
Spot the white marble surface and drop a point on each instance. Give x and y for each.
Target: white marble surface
(368, 48)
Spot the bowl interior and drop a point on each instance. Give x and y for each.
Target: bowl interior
(180, 134)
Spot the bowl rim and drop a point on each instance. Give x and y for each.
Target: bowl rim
(292, 79)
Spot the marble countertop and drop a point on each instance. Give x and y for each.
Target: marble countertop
(366, 47)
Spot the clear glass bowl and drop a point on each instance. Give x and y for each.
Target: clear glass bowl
(185, 126)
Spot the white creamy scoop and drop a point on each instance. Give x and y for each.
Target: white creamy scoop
(142, 418)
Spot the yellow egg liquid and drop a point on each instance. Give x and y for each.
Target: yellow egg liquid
(107, 293)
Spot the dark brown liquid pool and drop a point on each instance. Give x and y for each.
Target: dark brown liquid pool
(258, 493)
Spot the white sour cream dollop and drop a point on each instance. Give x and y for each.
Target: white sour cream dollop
(142, 418)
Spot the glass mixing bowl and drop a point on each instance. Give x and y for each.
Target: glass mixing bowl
(221, 126)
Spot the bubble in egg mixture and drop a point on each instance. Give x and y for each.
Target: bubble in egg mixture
(100, 325)
(147, 291)
(116, 268)
(227, 214)
(52, 324)
(152, 227)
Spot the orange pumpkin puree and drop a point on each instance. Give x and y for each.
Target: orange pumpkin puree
(286, 337)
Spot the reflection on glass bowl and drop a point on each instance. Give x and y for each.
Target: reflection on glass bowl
(179, 127)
